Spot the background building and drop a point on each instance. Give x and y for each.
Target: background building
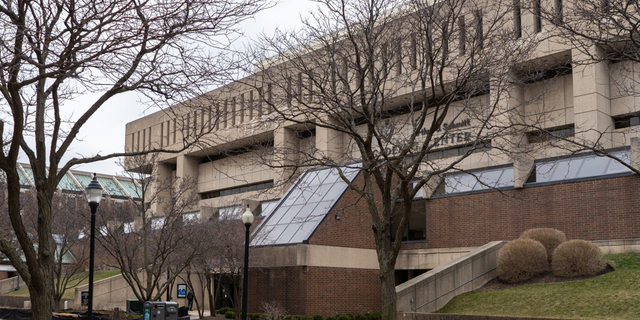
(560, 152)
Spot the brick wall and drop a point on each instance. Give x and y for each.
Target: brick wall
(315, 290)
(590, 210)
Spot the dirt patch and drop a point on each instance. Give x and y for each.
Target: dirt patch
(546, 277)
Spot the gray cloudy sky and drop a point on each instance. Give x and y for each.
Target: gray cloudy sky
(104, 132)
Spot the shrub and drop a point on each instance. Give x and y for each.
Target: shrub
(577, 258)
(343, 317)
(230, 315)
(373, 316)
(224, 310)
(317, 317)
(549, 237)
(330, 318)
(296, 317)
(521, 259)
(255, 316)
(273, 310)
(358, 317)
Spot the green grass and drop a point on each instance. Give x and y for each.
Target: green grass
(615, 295)
(69, 293)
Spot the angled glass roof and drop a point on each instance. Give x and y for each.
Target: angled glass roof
(490, 178)
(83, 179)
(580, 166)
(304, 206)
(23, 179)
(67, 183)
(130, 187)
(111, 187)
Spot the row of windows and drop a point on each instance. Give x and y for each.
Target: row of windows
(582, 166)
(236, 190)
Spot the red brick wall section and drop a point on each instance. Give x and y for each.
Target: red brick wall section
(602, 209)
(353, 229)
(315, 290)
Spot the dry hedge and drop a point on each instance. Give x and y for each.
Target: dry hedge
(521, 259)
(549, 237)
(577, 258)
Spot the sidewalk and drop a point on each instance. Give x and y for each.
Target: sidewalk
(193, 314)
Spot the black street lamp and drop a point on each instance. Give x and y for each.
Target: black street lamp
(94, 195)
(247, 219)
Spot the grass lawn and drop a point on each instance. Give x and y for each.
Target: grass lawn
(615, 295)
(70, 293)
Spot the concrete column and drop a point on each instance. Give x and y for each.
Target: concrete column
(511, 122)
(591, 100)
(285, 155)
(163, 175)
(329, 143)
(635, 153)
(187, 167)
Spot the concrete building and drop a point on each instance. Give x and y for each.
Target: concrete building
(315, 238)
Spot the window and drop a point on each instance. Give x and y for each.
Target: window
(551, 134)
(559, 12)
(463, 35)
(625, 121)
(416, 225)
(537, 22)
(236, 190)
(128, 227)
(191, 217)
(517, 19)
(231, 212)
(476, 180)
(580, 166)
(157, 223)
(479, 28)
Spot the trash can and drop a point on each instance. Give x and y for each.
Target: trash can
(160, 310)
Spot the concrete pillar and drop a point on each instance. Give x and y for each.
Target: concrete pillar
(591, 100)
(635, 153)
(285, 155)
(187, 167)
(511, 122)
(329, 143)
(163, 176)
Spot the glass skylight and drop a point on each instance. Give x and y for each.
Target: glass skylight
(491, 178)
(303, 207)
(581, 166)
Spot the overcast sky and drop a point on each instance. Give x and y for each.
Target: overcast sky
(104, 133)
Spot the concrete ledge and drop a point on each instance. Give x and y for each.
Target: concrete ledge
(434, 316)
(618, 246)
(10, 284)
(434, 289)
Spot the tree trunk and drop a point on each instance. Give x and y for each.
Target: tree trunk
(388, 293)
(212, 307)
(40, 304)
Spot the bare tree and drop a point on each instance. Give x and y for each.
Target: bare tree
(409, 92)
(149, 237)
(67, 225)
(53, 51)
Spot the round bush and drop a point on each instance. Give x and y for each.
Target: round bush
(343, 317)
(577, 258)
(373, 315)
(317, 317)
(330, 318)
(230, 315)
(549, 237)
(521, 259)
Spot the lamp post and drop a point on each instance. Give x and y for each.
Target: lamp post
(247, 219)
(94, 195)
